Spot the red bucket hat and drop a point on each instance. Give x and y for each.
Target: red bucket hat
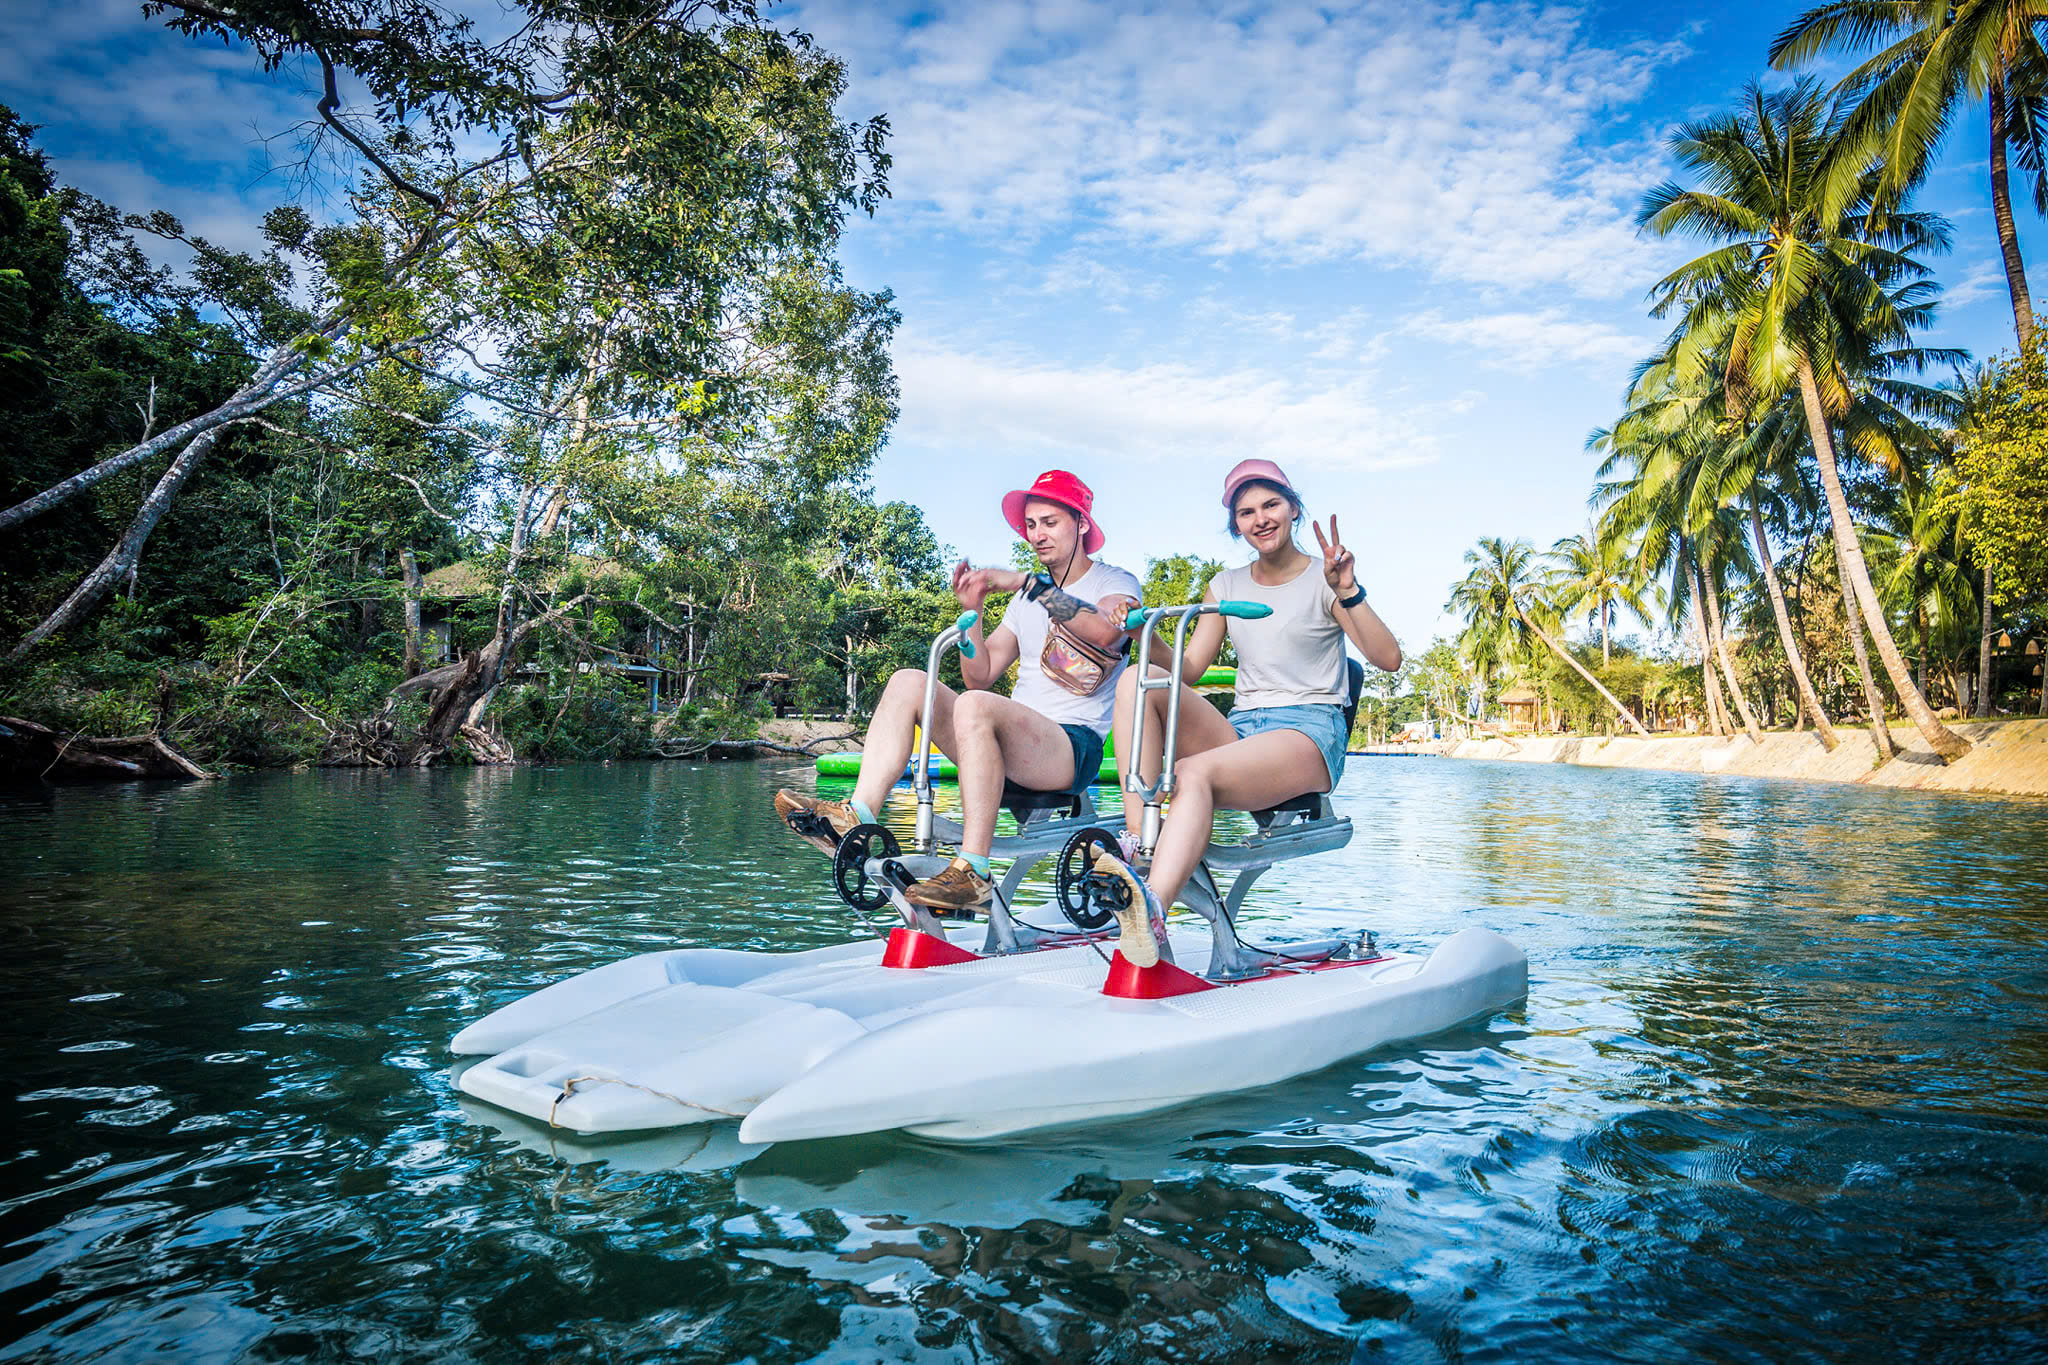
(1056, 485)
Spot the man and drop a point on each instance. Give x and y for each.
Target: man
(1063, 630)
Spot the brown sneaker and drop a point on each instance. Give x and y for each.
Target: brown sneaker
(821, 824)
(959, 887)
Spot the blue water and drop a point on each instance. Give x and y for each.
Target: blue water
(1779, 1090)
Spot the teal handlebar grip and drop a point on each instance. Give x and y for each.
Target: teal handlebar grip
(966, 621)
(1244, 611)
(966, 647)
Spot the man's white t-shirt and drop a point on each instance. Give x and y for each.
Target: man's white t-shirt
(1028, 622)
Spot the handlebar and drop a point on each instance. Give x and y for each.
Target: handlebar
(955, 634)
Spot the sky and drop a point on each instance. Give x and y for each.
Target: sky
(1390, 246)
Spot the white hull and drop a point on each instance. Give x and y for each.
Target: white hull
(828, 1042)
(988, 1070)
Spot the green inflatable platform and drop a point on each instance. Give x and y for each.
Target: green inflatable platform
(848, 764)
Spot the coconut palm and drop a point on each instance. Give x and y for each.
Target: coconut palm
(1800, 286)
(1975, 392)
(1500, 601)
(1934, 57)
(1765, 464)
(1659, 510)
(1589, 575)
(1929, 583)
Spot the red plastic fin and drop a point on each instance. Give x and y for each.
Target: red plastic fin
(1157, 982)
(912, 948)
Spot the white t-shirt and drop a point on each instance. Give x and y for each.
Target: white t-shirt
(1295, 657)
(1028, 622)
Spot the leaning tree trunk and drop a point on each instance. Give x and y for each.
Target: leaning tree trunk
(1984, 650)
(1880, 730)
(1580, 669)
(1809, 701)
(1716, 706)
(1944, 741)
(127, 552)
(2001, 213)
(1727, 665)
(1920, 628)
(462, 690)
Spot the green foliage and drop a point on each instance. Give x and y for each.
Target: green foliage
(577, 716)
(2002, 493)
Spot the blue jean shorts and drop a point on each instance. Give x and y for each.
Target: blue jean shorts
(1087, 747)
(1323, 723)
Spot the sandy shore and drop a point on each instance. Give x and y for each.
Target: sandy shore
(2006, 757)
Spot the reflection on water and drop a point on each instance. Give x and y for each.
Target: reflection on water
(1780, 1086)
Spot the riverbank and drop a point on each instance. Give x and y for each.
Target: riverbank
(2006, 758)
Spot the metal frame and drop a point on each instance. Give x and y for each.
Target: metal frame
(1293, 835)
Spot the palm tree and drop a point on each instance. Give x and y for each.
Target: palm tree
(1498, 599)
(1656, 511)
(1765, 465)
(1588, 574)
(1799, 285)
(1975, 392)
(1929, 583)
(1936, 56)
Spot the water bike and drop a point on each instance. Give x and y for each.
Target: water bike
(1137, 1039)
(685, 1036)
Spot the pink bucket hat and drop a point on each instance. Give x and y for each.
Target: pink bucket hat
(1247, 470)
(1057, 485)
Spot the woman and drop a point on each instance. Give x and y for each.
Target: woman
(1286, 733)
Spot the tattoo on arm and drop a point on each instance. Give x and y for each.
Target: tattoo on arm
(1062, 607)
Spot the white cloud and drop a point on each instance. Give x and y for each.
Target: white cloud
(1077, 272)
(1530, 341)
(1472, 142)
(1980, 281)
(976, 399)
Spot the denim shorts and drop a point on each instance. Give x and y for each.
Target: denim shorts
(1087, 747)
(1323, 723)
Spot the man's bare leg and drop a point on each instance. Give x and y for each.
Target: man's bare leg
(993, 738)
(892, 734)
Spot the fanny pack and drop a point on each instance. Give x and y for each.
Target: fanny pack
(1075, 664)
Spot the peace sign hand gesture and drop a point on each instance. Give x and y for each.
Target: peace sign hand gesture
(1339, 571)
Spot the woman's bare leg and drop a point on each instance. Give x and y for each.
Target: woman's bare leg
(1202, 727)
(1246, 774)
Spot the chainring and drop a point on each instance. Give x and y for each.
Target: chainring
(850, 866)
(1080, 889)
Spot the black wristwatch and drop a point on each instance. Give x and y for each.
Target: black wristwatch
(1357, 596)
(1038, 585)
